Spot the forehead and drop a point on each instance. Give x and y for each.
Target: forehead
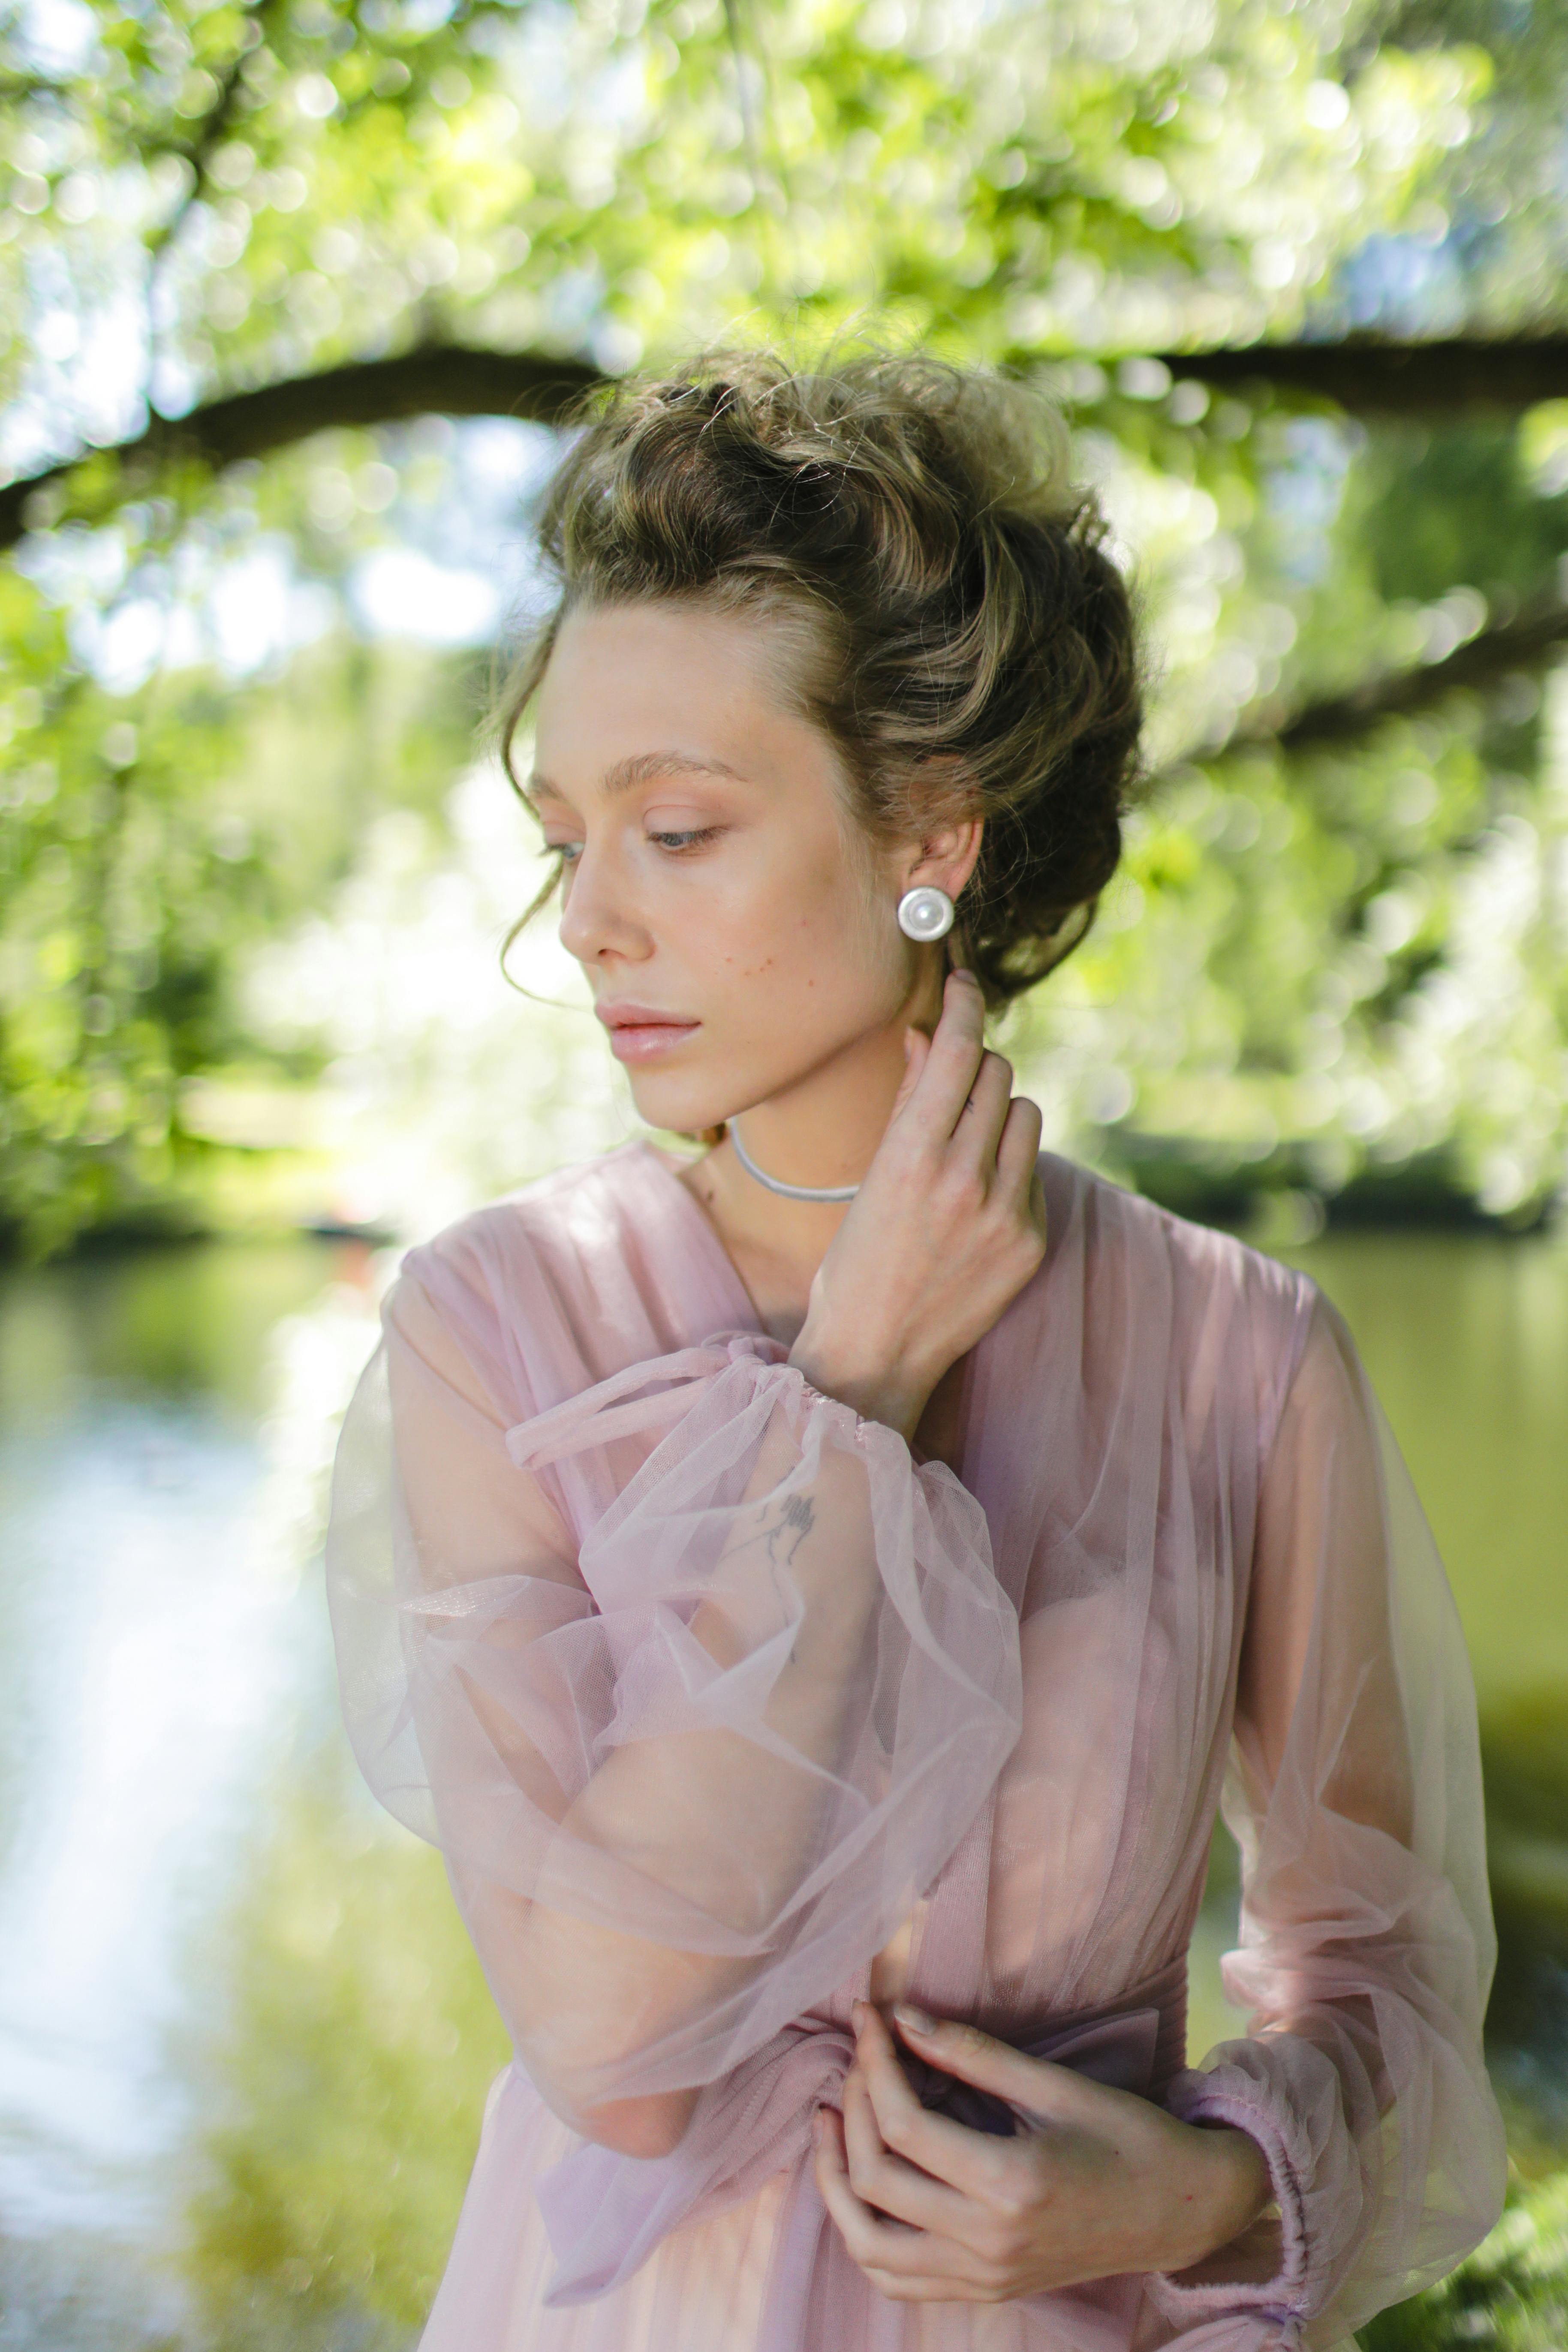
(633, 692)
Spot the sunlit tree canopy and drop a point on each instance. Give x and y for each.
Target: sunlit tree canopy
(295, 295)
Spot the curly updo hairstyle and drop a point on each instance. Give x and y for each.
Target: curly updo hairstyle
(973, 650)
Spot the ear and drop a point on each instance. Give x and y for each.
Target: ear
(945, 856)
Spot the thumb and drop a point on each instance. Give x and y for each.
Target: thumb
(956, 2048)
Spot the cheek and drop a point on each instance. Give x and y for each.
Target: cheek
(806, 924)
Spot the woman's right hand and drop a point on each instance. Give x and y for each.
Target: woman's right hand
(946, 1229)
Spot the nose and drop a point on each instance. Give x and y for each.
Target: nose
(597, 917)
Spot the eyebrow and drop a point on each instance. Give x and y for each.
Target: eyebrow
(642, 768)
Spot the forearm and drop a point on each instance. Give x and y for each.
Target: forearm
(544, 1970)
(688, 1786)
(790, 1604)
(726, 1822)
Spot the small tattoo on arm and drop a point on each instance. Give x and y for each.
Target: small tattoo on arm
(781, 1531)
(798, 1517)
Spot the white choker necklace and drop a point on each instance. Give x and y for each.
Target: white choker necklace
(790, 1191)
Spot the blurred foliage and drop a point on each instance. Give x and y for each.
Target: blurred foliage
(1444, 508)
(1351, 960)
(342, 2095)
(152, 839)
(1510, 2296)
(1313, 966)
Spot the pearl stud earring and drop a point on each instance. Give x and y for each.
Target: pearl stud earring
(925, 912)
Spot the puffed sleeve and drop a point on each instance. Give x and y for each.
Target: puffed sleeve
(1366, 1946)
(696, 1677)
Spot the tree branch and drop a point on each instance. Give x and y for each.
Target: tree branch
(1455, 377)
(441, 379)
(454, 379)
(1462, 375)
(1523, 643)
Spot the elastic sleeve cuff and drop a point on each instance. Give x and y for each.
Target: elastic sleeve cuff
(1267, 2271)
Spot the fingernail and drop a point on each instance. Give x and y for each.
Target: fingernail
(915, 2019)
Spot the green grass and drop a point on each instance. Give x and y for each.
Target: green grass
(1510, 2296)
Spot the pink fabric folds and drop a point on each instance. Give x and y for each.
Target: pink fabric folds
(932, 1703)
(718, 1698)
(606, 2212)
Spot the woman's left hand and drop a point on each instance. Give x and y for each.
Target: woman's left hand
(1099, 2183)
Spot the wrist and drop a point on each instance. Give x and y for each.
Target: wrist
(869, 1391)
(1239, 2189)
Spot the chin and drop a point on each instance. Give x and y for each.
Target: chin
(678, 1106)
(686, 1102)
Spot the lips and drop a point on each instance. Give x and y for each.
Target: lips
(640, 1033)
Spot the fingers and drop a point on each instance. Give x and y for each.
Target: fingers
(948, 2155)
(997, 1139)
(982, 1116)
(954, 1055)
(902, 2263)
(979, 1119)
(887, 2181)
(1051, 2093)
(1018, 1148)
(974, 2057)
(871, 2239)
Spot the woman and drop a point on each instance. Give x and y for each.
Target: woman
(812, 1590)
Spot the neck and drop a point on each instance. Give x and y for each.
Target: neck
(823, 1130)
(777, 1184)
(826, 1131)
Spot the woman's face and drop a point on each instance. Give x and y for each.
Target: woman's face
(737, 935)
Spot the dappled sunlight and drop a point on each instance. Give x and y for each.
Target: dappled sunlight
(297, 301)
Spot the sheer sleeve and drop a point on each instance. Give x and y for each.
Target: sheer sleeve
(697, 1679)
(1366, 1937)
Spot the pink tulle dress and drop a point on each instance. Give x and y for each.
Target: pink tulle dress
(680, 1660)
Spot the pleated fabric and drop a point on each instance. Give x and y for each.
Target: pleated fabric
(727, 1708)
